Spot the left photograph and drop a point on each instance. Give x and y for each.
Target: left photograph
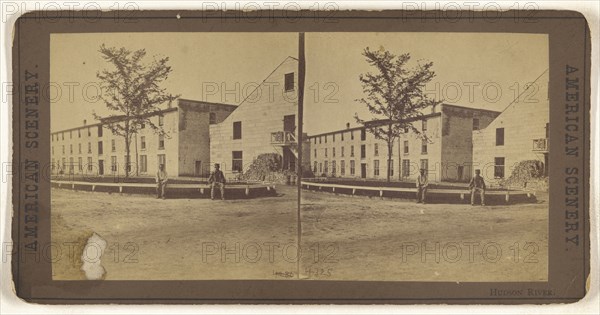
(174, 155)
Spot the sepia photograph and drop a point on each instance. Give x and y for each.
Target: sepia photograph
(180, 159)
(301, 157)
(429, 161)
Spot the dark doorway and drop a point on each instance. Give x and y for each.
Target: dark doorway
(363, 170)
(289, 123)
(100, 167)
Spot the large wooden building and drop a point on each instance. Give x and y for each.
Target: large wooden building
(92, 150)
(446, 153)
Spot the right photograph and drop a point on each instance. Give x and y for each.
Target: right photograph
(428, 157)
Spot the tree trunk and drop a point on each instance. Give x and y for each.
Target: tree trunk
(389, 160)
(390, 147)
(127, 151)
(137, 158)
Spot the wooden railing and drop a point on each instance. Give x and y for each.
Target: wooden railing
(540, 144)
(201, 187)
(460, 192)
(283, 137)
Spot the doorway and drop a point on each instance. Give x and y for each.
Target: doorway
(363, 170)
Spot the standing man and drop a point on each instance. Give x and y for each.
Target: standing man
(161, 181)
(217, 180)
(422, 183)
(477, 184)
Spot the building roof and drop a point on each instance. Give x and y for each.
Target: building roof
(103, 120)
(385, 121)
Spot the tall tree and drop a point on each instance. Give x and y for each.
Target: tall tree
(132, 90)
(394, 95)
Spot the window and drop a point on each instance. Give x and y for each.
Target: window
(326, 164)
(325, 152)
(376, 167)
(342, 153)
(475, 123)
(62, 136)
(405, 147)
(499, 167)
(161, 142)
(315, 153)
(143, 164)
(333, 152)
(79, 133)
(143, 142)
(321, 168)
(236, 161)
(363, 151)
(100, 147)
(113, 145)
(425, 165)
(342, 136)
(363, 134)
(499, 136)
(325, 138)
(351, 151)
(333, 168)
(52, 150)
(237, 130)
(547, 130)
(89, 132)
(63, 149)
(162, 160)
(161, 120)
(71, 148)
(212, 118)
(376, 149)
(352, 167)
(100, 131)
(113, 163)
(289, 81)
(80, 164)
(315, 140)
(89, 147)
(71, 165)
(405, 168)
(391, 165)
(64, 164)
(342, 167)
(90, 164)
(79, 147)
(315, 167)
(70, 134)
(424, 146)
(424, 125)
(333, 136)
(352, 135)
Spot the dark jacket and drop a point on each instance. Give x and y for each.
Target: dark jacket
(477, 182)
(217, 177)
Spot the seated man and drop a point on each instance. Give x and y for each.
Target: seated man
(477, 185)
(217, 180)
(161, 181)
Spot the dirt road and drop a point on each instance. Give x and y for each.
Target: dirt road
(343, 238)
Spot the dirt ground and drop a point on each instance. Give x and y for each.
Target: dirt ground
(343, 238)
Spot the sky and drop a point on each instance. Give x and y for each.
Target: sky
(482, 70)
